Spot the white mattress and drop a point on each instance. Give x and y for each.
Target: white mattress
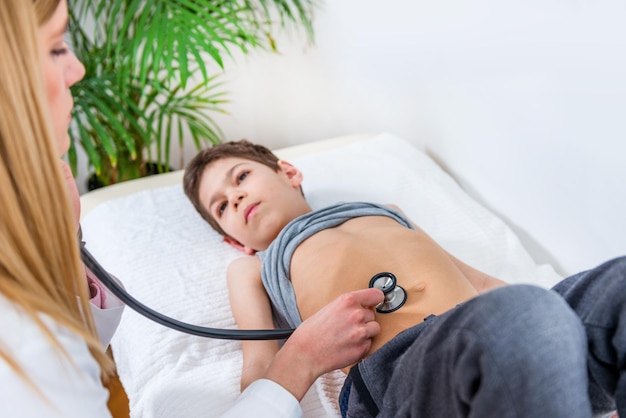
(170, 259)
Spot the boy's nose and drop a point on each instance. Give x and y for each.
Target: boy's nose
(238, 197)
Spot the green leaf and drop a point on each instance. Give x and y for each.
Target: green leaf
(140, 93)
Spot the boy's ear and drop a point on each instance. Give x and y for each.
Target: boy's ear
(238, 246)
(292, 173)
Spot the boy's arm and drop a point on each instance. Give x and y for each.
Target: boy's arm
(252, 310)
(482, 282)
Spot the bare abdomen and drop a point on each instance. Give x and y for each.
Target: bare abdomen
(343, 259)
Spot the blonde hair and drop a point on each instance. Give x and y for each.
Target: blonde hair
(40, 266)
(44, 9)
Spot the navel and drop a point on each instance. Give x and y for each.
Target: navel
(418, 287)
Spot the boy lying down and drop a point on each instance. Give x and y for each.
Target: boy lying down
(298, 260)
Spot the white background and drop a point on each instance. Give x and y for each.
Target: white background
(523, 102)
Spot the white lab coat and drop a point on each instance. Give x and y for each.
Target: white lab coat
(265, 399)
(69, 388)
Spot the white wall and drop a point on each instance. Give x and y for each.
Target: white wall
(523, 102)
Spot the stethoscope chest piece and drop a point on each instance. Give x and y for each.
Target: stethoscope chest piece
(395, 296)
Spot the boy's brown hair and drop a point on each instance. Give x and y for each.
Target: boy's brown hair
(195, 168)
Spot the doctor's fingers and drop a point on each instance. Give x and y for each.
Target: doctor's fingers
(372, 329)
(367, 298)
(362, 326)
(360, 303)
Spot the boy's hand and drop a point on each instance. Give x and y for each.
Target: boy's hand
(338, 335)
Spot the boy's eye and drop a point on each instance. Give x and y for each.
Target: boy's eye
(221, 208)
(242, 176)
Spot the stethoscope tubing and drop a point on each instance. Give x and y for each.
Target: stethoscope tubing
(218, 333)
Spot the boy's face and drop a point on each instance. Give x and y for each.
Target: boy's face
(250, 201)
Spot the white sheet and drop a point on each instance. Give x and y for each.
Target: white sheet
(170, 259)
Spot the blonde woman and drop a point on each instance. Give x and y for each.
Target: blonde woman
(61, 70)
(52, 358)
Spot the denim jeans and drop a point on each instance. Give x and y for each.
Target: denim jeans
(516, 351)
(599, 298)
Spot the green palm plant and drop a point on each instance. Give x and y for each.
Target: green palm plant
(152, 74)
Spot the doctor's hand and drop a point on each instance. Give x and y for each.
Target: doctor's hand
(338, 335)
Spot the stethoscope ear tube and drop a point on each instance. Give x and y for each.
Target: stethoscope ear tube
(223, 334)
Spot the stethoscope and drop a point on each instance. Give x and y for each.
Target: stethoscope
(395, 297)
